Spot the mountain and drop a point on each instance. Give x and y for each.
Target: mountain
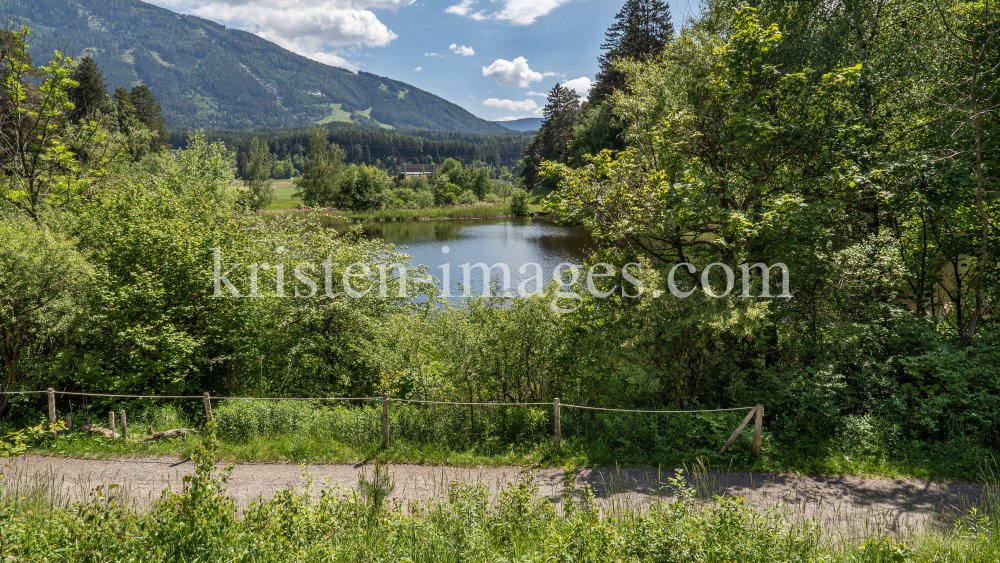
(207, 76)
(525, 124)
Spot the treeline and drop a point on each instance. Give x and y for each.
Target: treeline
(327, 181)
(373, 146)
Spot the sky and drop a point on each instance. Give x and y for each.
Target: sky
(495, 58)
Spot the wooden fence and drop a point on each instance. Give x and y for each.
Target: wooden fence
(756, 412)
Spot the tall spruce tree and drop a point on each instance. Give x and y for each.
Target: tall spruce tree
(560, 115)
(149, 113)
(260, 190)
(641, 30)
(90, 92)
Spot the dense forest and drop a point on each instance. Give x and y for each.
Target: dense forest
(367, 145)
(209, 77)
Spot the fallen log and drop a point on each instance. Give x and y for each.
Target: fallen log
(102, 432)
(164, 434)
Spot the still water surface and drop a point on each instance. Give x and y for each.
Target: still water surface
(515, 242)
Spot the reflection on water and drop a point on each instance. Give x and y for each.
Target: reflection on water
(515, 242)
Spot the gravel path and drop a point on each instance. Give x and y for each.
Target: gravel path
(850, 505)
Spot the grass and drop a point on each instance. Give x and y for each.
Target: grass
(463, 523)
(336, 114)
(297, 432)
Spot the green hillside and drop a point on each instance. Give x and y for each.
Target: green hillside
(207, 76)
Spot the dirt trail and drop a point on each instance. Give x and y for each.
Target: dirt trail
(851, 505)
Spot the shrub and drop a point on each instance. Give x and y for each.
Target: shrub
(468, 197)
(424, 199)
(519, 203)
(491, 197)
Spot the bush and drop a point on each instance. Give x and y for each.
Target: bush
(424, 199)
(468, 197)
(416, 183)
(491, 197)
(402, 198)
(519, 203)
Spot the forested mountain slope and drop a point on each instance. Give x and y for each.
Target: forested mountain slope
(207, 76)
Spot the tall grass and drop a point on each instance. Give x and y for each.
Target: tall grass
(463, 524)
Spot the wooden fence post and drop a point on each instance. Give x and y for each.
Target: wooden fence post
(111, 421)
(208, 406)
(739, 429)
(757, 426)
(69, 422)
(52, 406)
(385, 420)
(558, 423)
(124, 427)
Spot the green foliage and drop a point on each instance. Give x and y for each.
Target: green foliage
(552, 143)
(20, 441)
(370, 146)
(597, 131)
(363, 188)
(50, 162)
(318, 184)
(44, 288)
(468, 197)
(519, 203)
(641, 30)
(259, 192)
(463, 524)
(90, 91)
(149, 113)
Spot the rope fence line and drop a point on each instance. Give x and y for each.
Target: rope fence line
(654, 411)
(756, 412)
(470, 404)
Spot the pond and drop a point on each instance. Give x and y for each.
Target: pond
(444, 246)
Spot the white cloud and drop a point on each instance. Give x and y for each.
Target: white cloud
(512, 105)
(419, 68)
(433, 55)
(582, 85)
(530, 93)
(512, 73)
(538, 111)
(517, 12)
(312, 28)
(525, 12)
(463, 50)
(465, 9)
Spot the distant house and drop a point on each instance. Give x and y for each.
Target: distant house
(417, 169)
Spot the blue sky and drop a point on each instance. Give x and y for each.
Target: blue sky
(495, 58)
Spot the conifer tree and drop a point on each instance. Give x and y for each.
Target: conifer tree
(560, 115)
(641, 30)
(149, 113)
(90, 92)
(260, 191)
